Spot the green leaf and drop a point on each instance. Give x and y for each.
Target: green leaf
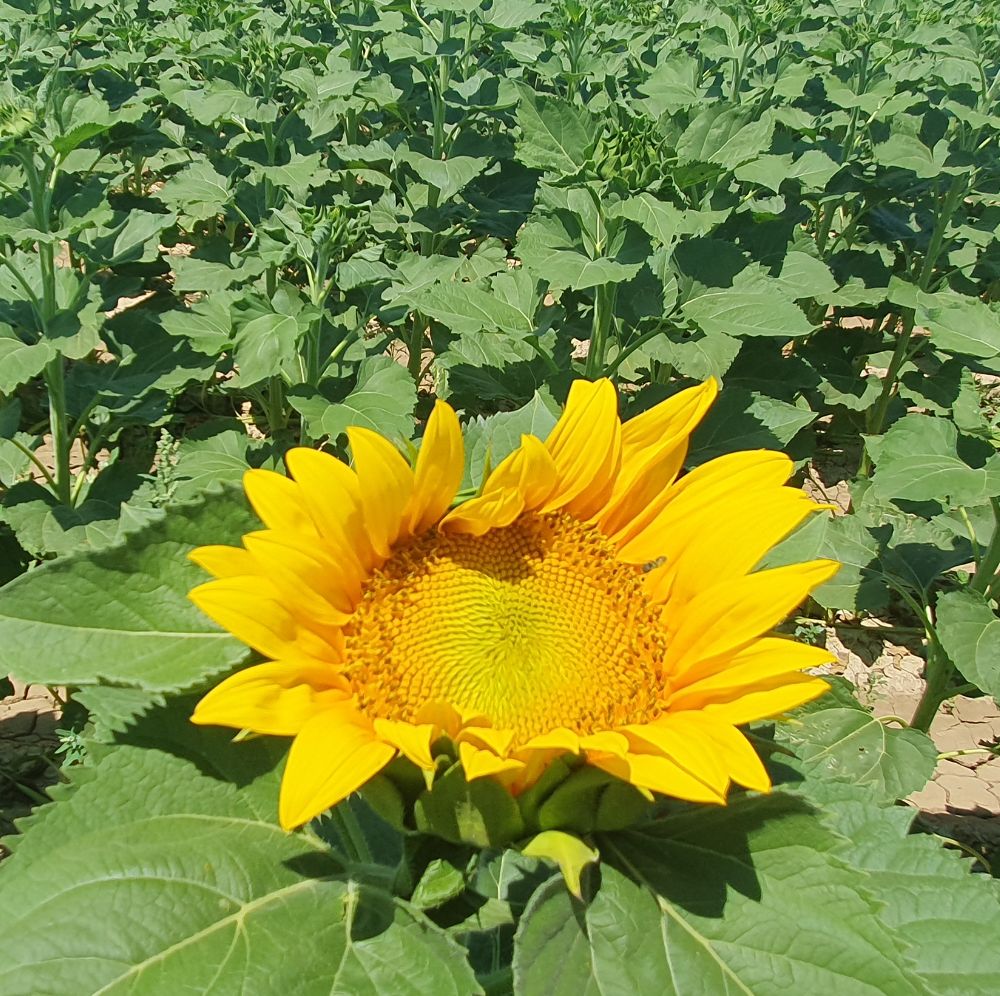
(908, 152)
(969, 631)
(746, 311)
(466, 308)
(725, 136)
(207, 325)
(439, 882)
(449, 176)
(20, 361)
(383, 401)
(555, 135)
(660, 220)
(832, 743)
(698, 356)
(813, 170)
(88, 116)
(714, 901)
(262, 345)
(225, 892)
(122, 615)
(959, 324)
(917, 459)
(196, 193)
(215, 453)
(929, 896)
(744, 420)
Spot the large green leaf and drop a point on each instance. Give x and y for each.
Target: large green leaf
(382, 400)
(225, 895)
(918, 459)
(969, 631)
(746, 311)
(121, 615)
(555, 134)
(749, 899)
(959, 324)
(725, 136)
(929, 898)
(846, 743)
(743, 420)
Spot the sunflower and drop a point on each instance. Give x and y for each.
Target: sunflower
(587, 601)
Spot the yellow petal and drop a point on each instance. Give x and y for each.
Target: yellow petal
(668, 422)
(332, 495)
(605, 742)
(570, 853)
(520, 482)
(559, 739)
(238, 605)
(277, 698)
(529, 469)
(654, 445)
(585, 446)
(412, 741)
(224, 561)
(707, 548)
(442, 716)
(726, 745)
(498, 741)
(478, 516)
(439, 468)
(658, 774)
(278, 501)
(762, 660)
(729, 615)
(720, 482)
(386, 482)
(680, 741)
(766, 699)
(325, 592)
(478, 763)
(336, 752)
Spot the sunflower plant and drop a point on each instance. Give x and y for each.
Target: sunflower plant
(531, 701)
(417, 424)
(583, 604)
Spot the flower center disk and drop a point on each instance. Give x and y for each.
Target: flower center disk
(534, 626)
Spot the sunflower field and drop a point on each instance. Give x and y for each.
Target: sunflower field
(440, 443)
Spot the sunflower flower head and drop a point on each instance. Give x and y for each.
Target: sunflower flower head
(590, 621)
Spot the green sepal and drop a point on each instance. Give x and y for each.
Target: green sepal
(481, 812)
(590, 799)
(569, 852)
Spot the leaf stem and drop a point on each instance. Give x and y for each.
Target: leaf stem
(56, 384)
(42, 469)
(985, 576)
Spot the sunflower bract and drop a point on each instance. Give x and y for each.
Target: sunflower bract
(589, 601)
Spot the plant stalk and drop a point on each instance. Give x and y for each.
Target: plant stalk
(985, 578)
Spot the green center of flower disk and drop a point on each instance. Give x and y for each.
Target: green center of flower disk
(534, 626)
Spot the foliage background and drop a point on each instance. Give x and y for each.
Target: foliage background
(229, 228)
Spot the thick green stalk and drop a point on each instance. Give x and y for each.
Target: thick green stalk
(937, 675)
(604, 303)
(415, 347)
(878, 412)
(61, 443)
(946, 208)
(985, 578)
